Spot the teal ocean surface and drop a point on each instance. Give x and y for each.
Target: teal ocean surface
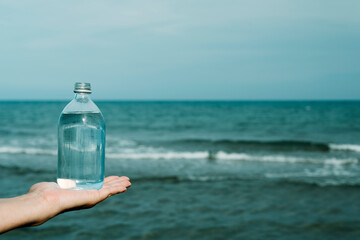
(201, 170)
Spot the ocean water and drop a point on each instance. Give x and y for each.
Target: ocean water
(201, 170)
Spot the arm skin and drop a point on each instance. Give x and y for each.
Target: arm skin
(45, 200)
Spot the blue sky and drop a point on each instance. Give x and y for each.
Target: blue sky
(181, 49)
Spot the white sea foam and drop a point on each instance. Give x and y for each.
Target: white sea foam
(317, 173)
(269, 158)
(159, 155)
(121, 142)
(344, 161)
(33, 151)
(284, 159)
(150, 153)
(208, 178)
(345, 147)
(126, 143)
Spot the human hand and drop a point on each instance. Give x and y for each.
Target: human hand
(46, 200)
(63, 200)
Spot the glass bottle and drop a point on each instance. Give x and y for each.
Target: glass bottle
(81, 142)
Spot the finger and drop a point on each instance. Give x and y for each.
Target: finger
(120, 184)
(110, 178)
(117, 189)
(119, 181)
(125, 178)
(111, 190)
(123, 181)
(128, 184)
(115, 178)
(75, 199)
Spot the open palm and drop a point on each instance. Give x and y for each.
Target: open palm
(59, 200)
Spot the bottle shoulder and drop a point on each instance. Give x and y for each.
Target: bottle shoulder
(83, 120)
(81, 106)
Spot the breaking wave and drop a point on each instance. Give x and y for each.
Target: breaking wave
(165, 154)
(345, 147)
(231, 156)
(281, 145)
(32, 151)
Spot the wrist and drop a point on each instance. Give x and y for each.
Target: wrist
(45, 206)
(34, 207)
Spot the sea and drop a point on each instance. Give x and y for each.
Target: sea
(200, 169)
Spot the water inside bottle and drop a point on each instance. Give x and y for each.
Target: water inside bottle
(81, 150)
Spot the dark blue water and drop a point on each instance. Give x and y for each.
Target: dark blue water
(201, 170)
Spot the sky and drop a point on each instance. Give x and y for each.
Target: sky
(180, 50)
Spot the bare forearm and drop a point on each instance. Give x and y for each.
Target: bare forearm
(25, 210)
(46, 200)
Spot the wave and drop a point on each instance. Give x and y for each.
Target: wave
(160, 154)
(120, 142)
(315, 180)
(324, 177)
(188, 178)
(281, 145)
(317, 173)
(289, 145)
(284, 159)
(32, 151)
(345, 147)
(231, 156)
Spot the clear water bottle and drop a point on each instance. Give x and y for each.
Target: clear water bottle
(81, 142)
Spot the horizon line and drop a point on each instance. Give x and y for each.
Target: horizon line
(187, 100)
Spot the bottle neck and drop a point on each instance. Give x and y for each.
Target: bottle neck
(82, 97)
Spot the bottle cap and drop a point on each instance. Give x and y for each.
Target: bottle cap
(82, 87)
